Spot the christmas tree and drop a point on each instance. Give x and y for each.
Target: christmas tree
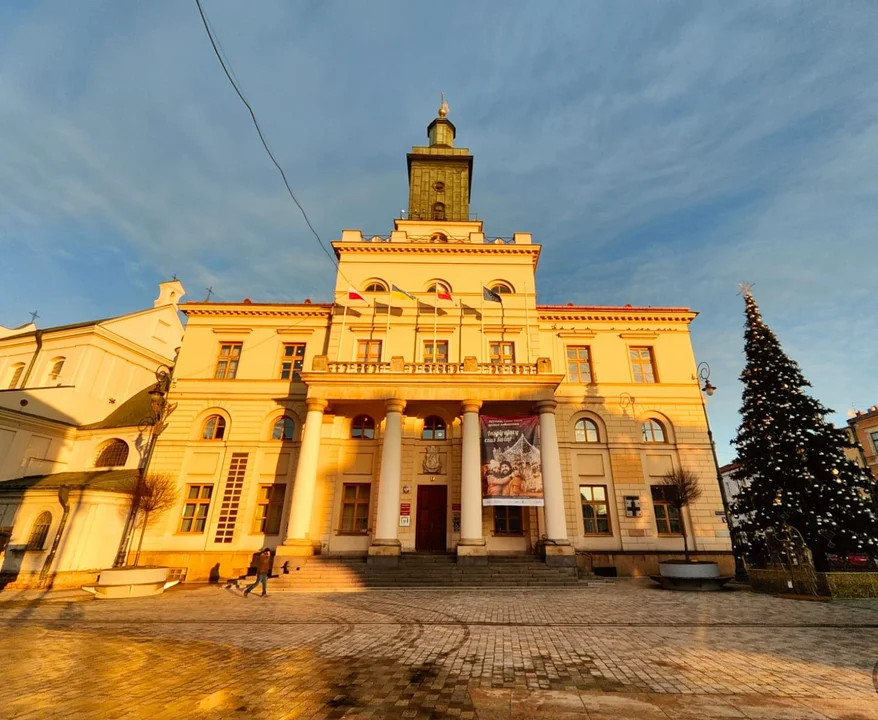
(792, 461)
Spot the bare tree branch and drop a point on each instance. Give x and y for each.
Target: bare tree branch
(685, 490)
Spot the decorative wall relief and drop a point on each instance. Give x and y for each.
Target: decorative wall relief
(432, 462)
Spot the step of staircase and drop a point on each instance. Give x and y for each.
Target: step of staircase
(328, 574)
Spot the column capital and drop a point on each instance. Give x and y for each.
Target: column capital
(318, 404)
(546, 406)
(470, 406)
(394, 405)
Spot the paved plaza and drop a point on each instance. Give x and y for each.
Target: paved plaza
(623, 650)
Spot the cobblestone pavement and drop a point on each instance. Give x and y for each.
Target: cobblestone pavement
(617, 651)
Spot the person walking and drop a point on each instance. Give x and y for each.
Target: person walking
(263, 567)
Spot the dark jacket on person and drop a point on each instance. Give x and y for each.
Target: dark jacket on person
(263, 564)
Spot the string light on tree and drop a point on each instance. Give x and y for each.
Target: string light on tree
(792, 461)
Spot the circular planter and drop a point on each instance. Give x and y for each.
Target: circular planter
(131, 582)
(133, 576)
(683, 569)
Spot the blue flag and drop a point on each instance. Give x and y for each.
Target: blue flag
(491, 296)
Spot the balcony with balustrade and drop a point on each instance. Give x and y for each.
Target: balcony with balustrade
(440, 381)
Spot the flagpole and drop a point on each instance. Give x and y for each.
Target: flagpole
(344, 320)
(482, 317)
(435, 320)
(387, 332)
(527, 323)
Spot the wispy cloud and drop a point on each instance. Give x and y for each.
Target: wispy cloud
(661, 153)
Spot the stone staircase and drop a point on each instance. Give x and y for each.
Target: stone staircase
(327, 574)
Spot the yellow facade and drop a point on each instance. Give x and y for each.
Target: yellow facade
(368, 353)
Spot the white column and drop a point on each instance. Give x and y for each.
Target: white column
(306, 475)
(471, 477)
(387, 526)
(553, 485)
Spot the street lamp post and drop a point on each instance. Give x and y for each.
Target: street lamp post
(707, 388)
(153, 427)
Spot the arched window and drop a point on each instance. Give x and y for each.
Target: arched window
(586, 430)
(434, 428)
(113, 453)
(38, 532)
(57, 367)
(438, 211)
(283, 429)
(376, 287)
(15, 377)
(440, 286)
(653, 432)
(363, 428)
(214, 428)
(501, 288)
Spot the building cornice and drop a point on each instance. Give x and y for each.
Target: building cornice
(585, 313)
(310, 310)
(459, 247)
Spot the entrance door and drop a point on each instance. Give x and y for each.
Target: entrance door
(430, 523)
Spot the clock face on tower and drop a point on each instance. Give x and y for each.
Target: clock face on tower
(439, 186)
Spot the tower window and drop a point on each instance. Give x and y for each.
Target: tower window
(113, 453)
(438, 211)
(39, 531)
(57, 367)
(17, 371)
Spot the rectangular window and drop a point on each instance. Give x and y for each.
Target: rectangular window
(642, 365)
(595, 511)
(508, 520)
(875, 441)
(441, 355)
(355, 509)
(369, 351)
(195, 508)
(578, 364)
(227, 362)
(502, 353)
(667, 517)
(292, 360)
(269, 506)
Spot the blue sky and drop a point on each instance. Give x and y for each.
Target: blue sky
(661, 153)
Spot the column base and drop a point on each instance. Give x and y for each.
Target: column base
(472, 554)
(560, 556)
(384, 553)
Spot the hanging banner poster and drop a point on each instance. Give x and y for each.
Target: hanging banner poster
(511, 470)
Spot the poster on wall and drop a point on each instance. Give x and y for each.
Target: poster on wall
(511, 470)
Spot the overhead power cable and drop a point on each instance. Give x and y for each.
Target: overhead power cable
(225, 67)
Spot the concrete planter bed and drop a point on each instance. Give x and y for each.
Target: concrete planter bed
(127, 582)
(683, 575)
(848, 585)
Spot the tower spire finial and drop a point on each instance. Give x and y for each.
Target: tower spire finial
(443, 106)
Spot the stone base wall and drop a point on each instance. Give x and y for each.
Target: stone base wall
(642, 564)
(55, 581)
(831, 584)
(204, 566)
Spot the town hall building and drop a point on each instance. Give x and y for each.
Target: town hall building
(432, 405)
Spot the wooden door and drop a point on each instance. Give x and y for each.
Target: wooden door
(430, 522)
